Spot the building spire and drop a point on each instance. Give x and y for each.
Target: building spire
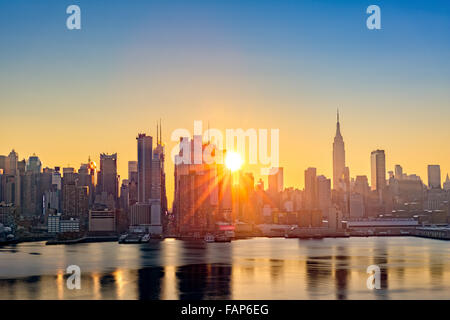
(160, 131)
(157, 133)
(338, 125)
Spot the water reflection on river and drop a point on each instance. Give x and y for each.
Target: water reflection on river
(260, 268)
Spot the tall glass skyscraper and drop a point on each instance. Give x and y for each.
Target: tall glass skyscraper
(108, 171)
(378, 170)
(145, 156)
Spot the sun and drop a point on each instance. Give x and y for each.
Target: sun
(233, 161)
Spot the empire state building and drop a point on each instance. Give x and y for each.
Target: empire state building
(338, 156)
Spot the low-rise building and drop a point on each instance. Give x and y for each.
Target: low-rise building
(102, 221)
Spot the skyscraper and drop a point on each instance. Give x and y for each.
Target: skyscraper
(276, 181)
(361, 185)
(275, 186)
(32, 195)
(108, 174)
(155, 193)
(203, 192)
(132, 182)
(150, 178)
(378, 170)
(34, 164)
(324, 194)
(13, 189)
(447, 184)
(145, 157)
(132, 170)
(11, 163)
(338, 156)
(398, 172)
(124, 195)
(310, 194)
(3, 163)
(246, 190)
(158, 164)
(31, 198)
(434, 176)
(86, 178)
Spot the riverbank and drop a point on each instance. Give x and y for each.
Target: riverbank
(83, 240)
(429, 235)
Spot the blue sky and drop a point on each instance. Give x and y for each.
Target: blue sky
(286, 64)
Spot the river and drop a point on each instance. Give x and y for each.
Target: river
(258, 268)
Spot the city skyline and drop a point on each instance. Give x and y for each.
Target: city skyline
(245, 167)
(75, 94)
(233, 150)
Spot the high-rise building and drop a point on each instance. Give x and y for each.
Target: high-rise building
(56, 178)
(11, 163)
(86, 178)
(159, 154)
(447, 184)
(31, 198)
(275, 187)
(145, 157)
(124, 195)
(148, 178)
(434, 176)
(324, 194)
(276, 183)
(338, 156)
(32, 193)
(398, 172)
(69, 191)
(155, 193)
(245, 197)
(3, 163)
(357, 206)
(69, 175)
(11, 196)
(34, 164)
(132, 170)
(21, 166)
(361, 185)
(203, 191)
(13, 184)
(132, 182)
(378, 170)
(109, 182)
(310, 194)
(69, 195)
(51, 200)
(223, 195)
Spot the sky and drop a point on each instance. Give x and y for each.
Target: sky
(66, 95)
